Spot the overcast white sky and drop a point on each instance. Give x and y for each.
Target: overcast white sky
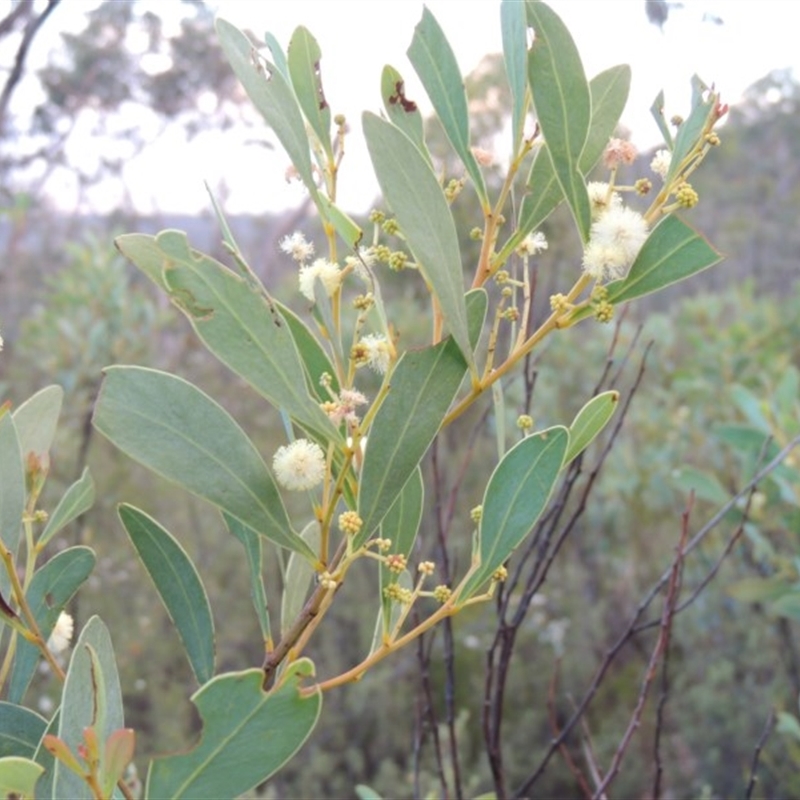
(358, 37)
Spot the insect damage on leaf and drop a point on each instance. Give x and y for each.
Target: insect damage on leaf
(186, 302)
(399, 96)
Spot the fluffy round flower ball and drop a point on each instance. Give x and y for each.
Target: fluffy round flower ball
(614, 242)
(327, 272)
(299, 465)
(661, 163)
(62, 634)
(377, 352)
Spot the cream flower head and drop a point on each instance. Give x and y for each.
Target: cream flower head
(328, 272)
(297, 247)
(378, 354)
(601, 199)
(62, 634)
(532, 244)
(614, 242)
(300, 465)
(661, 163)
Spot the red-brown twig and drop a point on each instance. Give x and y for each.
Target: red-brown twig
(563, 749)
(634, 626)
(762, 740)
(667, 615)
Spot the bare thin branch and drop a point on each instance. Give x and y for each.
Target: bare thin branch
(668, 614)
(633, 627)
(762, 740)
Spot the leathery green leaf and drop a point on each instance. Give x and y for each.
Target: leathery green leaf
(477, 302)
(272, 95)
(51, 588)
(657, 111)
(400, 526)
(609, 92)
(314, 358)
(141, 249)
(20, 730)
(178, 584)
(253, 549)
(512, 24)
(177, 431)
(36, 420)
(298, 580)
(563, 104)
(515, 497)
(435, 64)
(415, 196)
(243, 328)
(672, 253)
(248, 734)
(703, 104)
(350, 233)
(12, 494)
(589, 421)
(278, 56)
(303, 59)
(77, 500)
(18, 776)
(423, 386)
(91, 697)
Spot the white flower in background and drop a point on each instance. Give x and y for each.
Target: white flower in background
(614, 242)
(661, 163)
(365, 260)
(600, 199)
(299, 465)
(62, 634)
(328, 272)
(532, 244)
(297, 247)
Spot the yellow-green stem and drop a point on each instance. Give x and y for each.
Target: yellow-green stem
(549, 325)
(19, 596)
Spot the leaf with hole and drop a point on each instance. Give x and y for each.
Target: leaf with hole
(248, 734)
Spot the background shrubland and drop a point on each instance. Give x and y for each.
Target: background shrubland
(70, 306)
